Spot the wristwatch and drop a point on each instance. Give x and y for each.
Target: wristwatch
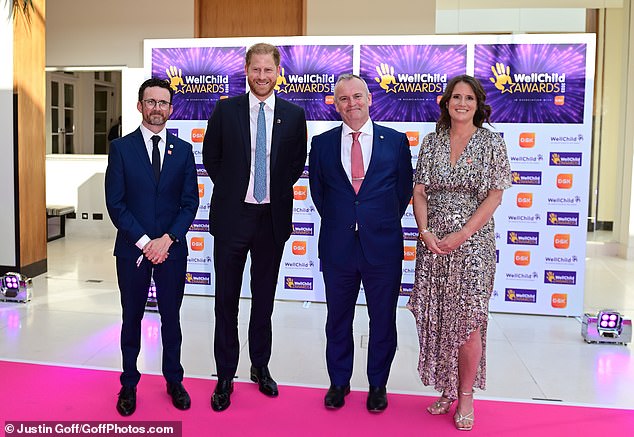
(173, 238)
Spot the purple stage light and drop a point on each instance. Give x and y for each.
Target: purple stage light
(609, 323)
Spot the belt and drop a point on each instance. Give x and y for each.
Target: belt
(257, 206)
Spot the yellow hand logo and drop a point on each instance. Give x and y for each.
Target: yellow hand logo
(281, 80)
(176, 78)
(387, 77)
(502, 77)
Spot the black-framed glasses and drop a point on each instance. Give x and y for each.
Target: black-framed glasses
(162, 104)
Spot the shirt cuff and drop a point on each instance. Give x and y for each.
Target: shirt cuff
(142, 242)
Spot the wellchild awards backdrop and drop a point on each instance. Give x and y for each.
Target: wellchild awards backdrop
(539, 87)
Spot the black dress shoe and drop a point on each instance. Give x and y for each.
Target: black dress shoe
(221, 399)
(262, 376)
(180, 397)
(335, 398)
(377, 399)
(126, 404)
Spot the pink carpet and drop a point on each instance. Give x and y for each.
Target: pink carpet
(31, 392)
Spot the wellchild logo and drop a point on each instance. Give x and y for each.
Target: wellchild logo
(570, 200)
(406, 289)
(526, 177)
(306, 210)
(528, 82)
(409, 83)
(521, 276)
(522, 237)
(567, 139)
(299, 264)
(200, 170)
(303, 229)
(198, 278)
(538, 159)
(563, 219)
(296, 283)
(217, 83)
(560, 277)
(535, 218)
(565, 159)
(305, 83)
(520, 295)
(568, 260)
(410, 234)
(199, 259)
(199, 226)
(305, 173)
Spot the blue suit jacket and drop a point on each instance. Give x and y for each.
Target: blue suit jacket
(377, 208)
(227, 159)
(138, 205)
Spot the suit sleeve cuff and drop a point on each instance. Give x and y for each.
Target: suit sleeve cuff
(142, 242)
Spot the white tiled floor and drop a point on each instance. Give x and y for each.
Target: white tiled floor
(74, 319)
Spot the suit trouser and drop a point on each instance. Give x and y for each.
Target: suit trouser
(253, 233)
(381, 286)
(134, 283)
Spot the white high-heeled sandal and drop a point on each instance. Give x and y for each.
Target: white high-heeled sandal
(440, 406)
(464, 422)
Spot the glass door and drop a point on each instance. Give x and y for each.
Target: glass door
(62, 116)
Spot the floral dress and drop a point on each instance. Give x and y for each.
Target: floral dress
(450, 299)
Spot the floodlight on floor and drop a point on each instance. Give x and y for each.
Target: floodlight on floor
(608, 326)
(16, 287)
(151, 304)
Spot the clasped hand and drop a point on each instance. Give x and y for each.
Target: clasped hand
(157, 250)
(446, 245)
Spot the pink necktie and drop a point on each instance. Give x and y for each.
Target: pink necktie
(356, 159)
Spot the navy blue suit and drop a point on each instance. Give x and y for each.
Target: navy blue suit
(361, 239)
(139, 205)
(241, 228)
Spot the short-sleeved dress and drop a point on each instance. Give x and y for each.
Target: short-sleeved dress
(450, 299)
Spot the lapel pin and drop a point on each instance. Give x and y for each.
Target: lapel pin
(171, 146)
(381, 136)
(278, 121)
(169, 152)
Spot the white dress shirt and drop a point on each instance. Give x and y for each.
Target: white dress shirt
(149, 145)
(367, 133)
(269, 111)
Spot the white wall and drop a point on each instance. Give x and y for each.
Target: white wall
(510, 20)
(7, 199)
(78, 180)
(96, 32)
(370, 17)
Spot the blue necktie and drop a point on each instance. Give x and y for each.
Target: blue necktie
(259, 183)
(156, 157)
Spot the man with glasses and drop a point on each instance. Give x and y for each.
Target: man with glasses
(152, 199)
